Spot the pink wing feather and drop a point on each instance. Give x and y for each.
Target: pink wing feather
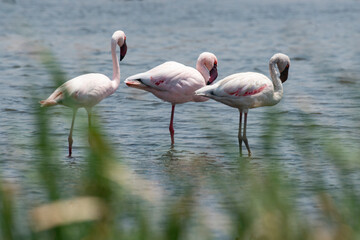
(241, 85)
(170, 77)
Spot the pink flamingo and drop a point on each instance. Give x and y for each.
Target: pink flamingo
(176, 83)
(250, 90)
(89, 89)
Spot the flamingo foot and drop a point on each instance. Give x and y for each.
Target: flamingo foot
(172, 132)
(247, 146)
(69, 156)
(171, 126)
(244, 139)
(240, 145)
(70, 140)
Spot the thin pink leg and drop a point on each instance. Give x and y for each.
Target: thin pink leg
(239, 133)
(244, 135)
(70, 140)
(89, 121)
(89, 117)
(171, 127)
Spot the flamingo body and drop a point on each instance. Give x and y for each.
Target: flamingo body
(89, 89)
(176, 83)
(171, 81)
(83, 91)
(250, 90)
(243, 91)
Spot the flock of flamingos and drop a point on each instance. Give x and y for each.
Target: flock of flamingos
(176, 83)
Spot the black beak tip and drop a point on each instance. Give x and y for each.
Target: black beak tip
(284, 74)
(123, 51)
(213, 75)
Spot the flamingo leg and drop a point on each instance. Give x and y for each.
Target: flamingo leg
(89, 121)
(88, 110)
(89, 117)
(244, 135)
(70, 140)
(171, 127)
(239, 134)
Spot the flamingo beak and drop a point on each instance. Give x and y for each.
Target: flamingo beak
(213, 74)
(123, 50)
(284, 74)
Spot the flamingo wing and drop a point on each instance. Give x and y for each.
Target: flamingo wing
(169, 76)
(83, 91)
(241, 85)
(241, 90)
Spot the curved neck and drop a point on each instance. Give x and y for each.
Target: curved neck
(203, 70)
(278, 88)
(116, 66)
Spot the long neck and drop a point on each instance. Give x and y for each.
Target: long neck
(116, 66)
(203, 70)
(278, 88)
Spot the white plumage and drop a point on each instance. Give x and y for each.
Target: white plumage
(89, 89)
(250, 90)
(83, 91)
(176, 83)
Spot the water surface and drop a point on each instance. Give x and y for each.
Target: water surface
(320, 37)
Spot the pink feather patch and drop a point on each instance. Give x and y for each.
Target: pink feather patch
(248, 93)
(236, 93)
(157, 82)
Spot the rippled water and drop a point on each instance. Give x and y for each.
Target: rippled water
(321, 38)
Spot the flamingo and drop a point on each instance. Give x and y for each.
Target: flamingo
(250, 90)
(89, 89)
(176, 83)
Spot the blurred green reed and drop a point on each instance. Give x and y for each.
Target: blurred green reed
(260, 204)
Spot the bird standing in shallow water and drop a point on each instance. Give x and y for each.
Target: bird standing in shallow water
(176, 83)
(89, 89)
(250, 90)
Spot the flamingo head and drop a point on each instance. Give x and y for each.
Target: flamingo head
(283, 63)
(208, 61)
(120, 38)
(284, 73)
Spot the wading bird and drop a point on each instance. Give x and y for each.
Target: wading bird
(89, 89)
(250, 90)
(176, 83)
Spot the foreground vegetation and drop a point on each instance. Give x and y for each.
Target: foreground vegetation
(108, 201)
